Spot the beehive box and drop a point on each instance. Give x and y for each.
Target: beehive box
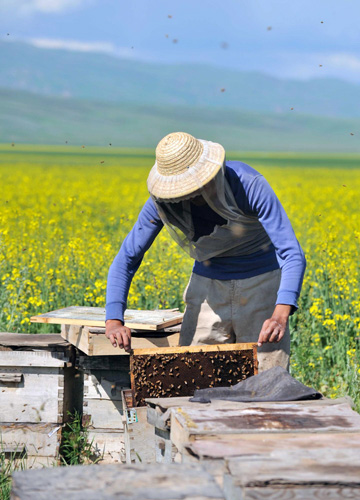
(179, 371)
(104, 379)
(105, 412)
(38, 387)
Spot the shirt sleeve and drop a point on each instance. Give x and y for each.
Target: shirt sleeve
(128, 260)
(290, 256)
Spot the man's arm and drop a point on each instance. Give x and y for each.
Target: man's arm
(290, 256)
(122, 270)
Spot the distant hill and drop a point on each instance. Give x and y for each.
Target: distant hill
(32, 118)
(100, 77)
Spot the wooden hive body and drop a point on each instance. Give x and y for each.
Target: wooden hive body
(179, 371)
(38, 387)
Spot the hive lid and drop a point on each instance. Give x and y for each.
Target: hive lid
(95, 316)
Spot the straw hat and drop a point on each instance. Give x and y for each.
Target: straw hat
(183, 165)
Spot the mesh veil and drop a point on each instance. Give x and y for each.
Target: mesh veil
(240, 235)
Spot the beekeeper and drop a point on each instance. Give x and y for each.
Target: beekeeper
(248, 267)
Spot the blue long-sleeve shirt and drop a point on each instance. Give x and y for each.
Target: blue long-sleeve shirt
(254, 196)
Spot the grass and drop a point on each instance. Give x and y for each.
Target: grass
(9, 463)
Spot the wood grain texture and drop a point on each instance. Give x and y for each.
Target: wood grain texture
(188, 423)
(218, 447)
(108, 446)
(96, 344)
(197, 348)
(313, 467)
(22, 340)
(41, 359)
(110, 482)
(164, 404)
(232, 492)
(142, 439)
(38, 398)
(95, 316)
(103, 414)
(34, 439)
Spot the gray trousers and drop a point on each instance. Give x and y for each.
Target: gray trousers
(229, 311)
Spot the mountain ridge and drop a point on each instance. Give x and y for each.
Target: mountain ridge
(31, 118)
(97, 76)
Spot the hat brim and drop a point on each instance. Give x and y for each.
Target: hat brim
(172, 187)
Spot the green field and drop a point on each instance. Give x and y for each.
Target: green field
(64, 214)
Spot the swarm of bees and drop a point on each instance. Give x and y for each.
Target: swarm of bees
(180, 374)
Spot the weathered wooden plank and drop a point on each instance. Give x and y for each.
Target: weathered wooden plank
(96, 344)
(22, 340)
(37, 398)
(159, 419)
(142, 438)
(33, 358)
(291, 493)
(159, 413)
(95, 316)
(165, 451)
(10, 378)
(217, 447)
(317, 468)
(163, 404)
(108, 446)
(198, 348)
(110, 482)
(33, 439)
(190, 422)
(38, 461)
(103, 414)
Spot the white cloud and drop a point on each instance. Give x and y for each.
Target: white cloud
(75, 45)
(78, 46)
(304, 66)
(45, 6)
(342, 60)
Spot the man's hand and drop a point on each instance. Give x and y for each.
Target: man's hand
(273, 328)
(118, 334)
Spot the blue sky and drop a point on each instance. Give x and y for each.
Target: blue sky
(286, 38)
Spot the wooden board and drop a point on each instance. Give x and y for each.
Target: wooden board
(164, 404)
(41, 359)
(95, 316)
(113, 482)
(34, 439)
(103, 414)
(319, 473)
(38, 461)
(108, 446)
(199, 348)
(188, 424)
(159, 409)
(242, 445)
(96, 344)
(37, 398)
(142, 439)
(33, 340)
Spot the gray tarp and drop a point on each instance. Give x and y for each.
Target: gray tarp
(275, 384)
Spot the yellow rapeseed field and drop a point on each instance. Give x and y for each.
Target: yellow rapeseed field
(65, 211)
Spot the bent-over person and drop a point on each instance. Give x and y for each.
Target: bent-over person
(248, 267)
